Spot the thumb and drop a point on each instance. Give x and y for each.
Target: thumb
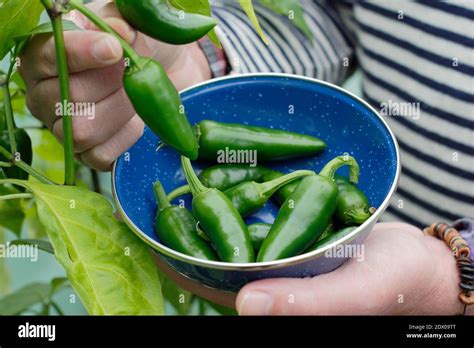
(333, 293)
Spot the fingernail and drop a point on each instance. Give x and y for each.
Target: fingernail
(255, 303)
(106, 49)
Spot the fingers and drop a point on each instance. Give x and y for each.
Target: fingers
(89, 86)
(102, 156)
(86, 50)
(384, 279)
(325, 294)
(109, 116)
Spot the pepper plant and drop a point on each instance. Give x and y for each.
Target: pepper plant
(110, 269)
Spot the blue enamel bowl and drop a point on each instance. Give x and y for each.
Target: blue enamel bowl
(294, 103)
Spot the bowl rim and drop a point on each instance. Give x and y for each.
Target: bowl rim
(291, 261)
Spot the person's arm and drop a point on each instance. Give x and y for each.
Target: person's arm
(96, 66)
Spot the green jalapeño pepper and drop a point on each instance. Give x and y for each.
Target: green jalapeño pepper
(249, 197)
(331, 238)
(328, 231)
(258, 233)
(160, 20)
(353, 207)
(223, 141)
(224, 176)
(219, 219)
(305, 215)
(158, 104)
(176, 228)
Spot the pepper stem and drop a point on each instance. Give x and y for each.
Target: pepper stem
(180, 191)
(160, 195)
(333, 165)
(193, 181)
(270, 187)
(9, 122)
(102, 25)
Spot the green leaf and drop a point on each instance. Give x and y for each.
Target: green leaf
(17, 17)
(58, 284)
(24, 298)
(41, 244)
(249, 10)
(32, 228)
(17, 80)
(202, 7)
(30, 295)
(293, 10)
(111, 270)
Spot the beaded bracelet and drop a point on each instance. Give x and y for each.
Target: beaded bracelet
(462, 253)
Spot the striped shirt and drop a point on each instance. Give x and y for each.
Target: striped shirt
(417, 63)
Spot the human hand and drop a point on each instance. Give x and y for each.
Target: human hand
(96, 68)
(403, 272)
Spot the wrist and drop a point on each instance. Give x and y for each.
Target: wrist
(445, 289)
(189, 67)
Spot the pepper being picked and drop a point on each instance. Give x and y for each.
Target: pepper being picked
(306, 213)
(158, 104)
(151, 92)
(219, 219)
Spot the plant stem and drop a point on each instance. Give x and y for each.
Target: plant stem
(6, 164)
(57, 308)
(10, 123)
(30, 170)
(129, 52)
(16, 196)
(65, 96)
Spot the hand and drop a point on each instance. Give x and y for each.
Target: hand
(403, 272)
(96, 67)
